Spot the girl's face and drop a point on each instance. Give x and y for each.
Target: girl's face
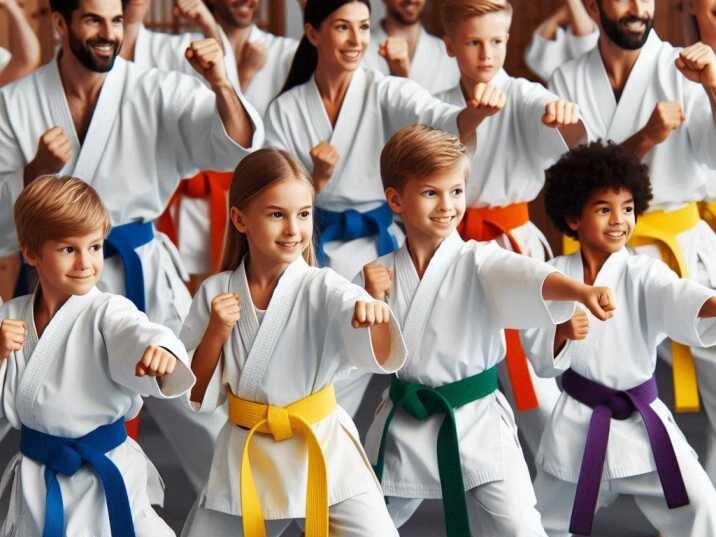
(343, 37)
(278, 222)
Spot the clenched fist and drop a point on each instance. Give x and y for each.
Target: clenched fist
(324, 157)
(155, 362)
(252, 59)
(225, 311)
(666, 117)
(367, 314)
(207, 58)
(378, 280)
(698, 64)
(487, 100)
(600, 301)
(395, 51)
(560, 113)
(195, 11)
(576, 328)
(12, 336)
(54, 150)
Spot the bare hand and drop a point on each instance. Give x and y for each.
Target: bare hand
(207, 58)
(367, 314)
(54, 150)
(195, 11)
(560, 113)
(487, 100)
(600, 301)
(378, 280)
(253, 57)
(155, 362)
(395, 51)
(576, 328)
(698, 64)
(12, 336)
(666, 117)
(225, 311)
(325, 157)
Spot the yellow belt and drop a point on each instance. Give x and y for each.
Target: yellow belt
(281, 422)
(708, 212)
(662, 228)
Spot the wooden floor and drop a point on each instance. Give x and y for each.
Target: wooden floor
(621, 520)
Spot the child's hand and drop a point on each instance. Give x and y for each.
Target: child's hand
(487, 100)
(225, 311)
(576, 328)
(378, 280)
(600, 301)
(367, 314)
(12, 336)
(560, 113)
(155, 362)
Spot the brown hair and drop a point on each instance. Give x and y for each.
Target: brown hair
(418, 151)
(255, 172)
(56, 207)
(453, 11)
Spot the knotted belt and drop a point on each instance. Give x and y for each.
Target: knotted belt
(487, 224)
(68, 455)
(282, 423)
(351, 224)
(662, 229)
(611, 404)
(123, 241)
(421, 402)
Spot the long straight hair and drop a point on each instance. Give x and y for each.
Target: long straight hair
(305, 60)
(254, 173)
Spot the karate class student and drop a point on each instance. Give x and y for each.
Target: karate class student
(74, 362)
(609, 420)
(660, 102)
(523, 129)
(270, 334)
(24, 53)
(135, 132)
(443, 429)
(400, 46)
(563, 36)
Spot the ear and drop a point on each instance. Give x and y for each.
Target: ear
(593, 9)
(394, 199)
(573, 223)
(238, 220)
(448, 45)
(311, 34)
(59, 24)
(30, 257)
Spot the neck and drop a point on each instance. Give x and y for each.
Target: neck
(236, 36)
(332, 83)
(77, 80)
(394, 28)
(48, 303)
(592, 262)
(263, 276)
(618, 62)
(422, 250)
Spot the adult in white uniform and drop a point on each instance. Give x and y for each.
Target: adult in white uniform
(111, 122)
(661, 102)
(401, 46)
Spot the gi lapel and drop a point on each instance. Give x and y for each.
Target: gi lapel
(50, 82)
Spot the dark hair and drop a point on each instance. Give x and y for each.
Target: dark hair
(586, 169)
(306, 58)
(66, 7)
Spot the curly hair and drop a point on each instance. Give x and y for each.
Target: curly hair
(586, 169)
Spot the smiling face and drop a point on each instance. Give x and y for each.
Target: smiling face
(277, 222)
(626, 23)
(431, 207)
(94, 33)
(342, 38)
(406, 12)
(234, 13)
(69, 266)
(607, 221)
(479, 44)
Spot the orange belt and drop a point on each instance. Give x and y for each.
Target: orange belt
(708, 212)
(211, 185)
(486, 224)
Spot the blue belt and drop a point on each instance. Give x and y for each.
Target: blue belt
(122, 241)
(351, 224)
(66, 456)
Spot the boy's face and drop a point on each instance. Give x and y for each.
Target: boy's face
(607, 221)
(479, 44)
(69, 266)
(431, 207)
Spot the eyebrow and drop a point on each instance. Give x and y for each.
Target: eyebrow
(350, 21)
(285, 209)
(605, 202)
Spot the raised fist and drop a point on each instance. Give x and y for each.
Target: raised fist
(207, 58)
(487, 100)
(395, 51)
(54, 150)
(560, 113)
(155, 362)
(12, 336)
(666, 117)
(698, 64)
(367, 314)
(324, 157)
(378, 280)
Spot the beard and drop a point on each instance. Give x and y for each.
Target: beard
(404, 18)
(618, 34)
(84, 54)
(223, 13)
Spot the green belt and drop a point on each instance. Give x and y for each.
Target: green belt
(421, 402)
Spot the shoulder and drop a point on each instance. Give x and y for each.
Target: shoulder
(647, 268)
(214, 284)
(275, 42)
(14, 307)
(25, 88)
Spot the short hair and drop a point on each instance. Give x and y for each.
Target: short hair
(586, 169)
(56, 207)
(418, 151)
(67, 7)
(453, 11)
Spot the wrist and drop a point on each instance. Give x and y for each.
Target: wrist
(221, 86)
(219, 329)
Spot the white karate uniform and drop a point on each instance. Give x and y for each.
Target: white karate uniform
(374, 108)
(149, 128)
(296, 349)
(465, 284)
(77, 376)
(652, 304)
(544, 56)
(5, 57)
(678, 167)
(431, 67)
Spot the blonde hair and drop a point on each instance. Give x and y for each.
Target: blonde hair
(56, 207)
(419, 151)
(453, 11)
(255, 172)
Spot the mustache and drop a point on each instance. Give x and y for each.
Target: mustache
(631, 18)
(100, 42)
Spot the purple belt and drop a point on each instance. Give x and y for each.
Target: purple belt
(607, 404)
